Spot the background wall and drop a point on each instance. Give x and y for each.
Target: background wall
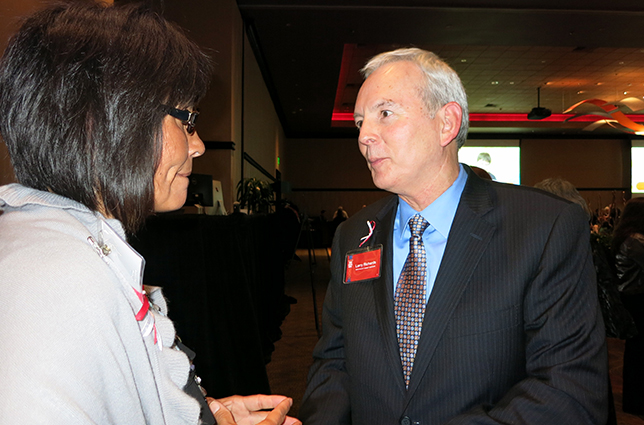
(327, 173)
(263, 133)
(321, 170)
(591, 165)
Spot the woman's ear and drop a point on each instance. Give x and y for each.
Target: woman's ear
(451, 115)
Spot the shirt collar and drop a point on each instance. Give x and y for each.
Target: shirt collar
(440, 213)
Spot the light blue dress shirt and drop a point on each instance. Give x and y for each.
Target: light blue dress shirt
(440, 215)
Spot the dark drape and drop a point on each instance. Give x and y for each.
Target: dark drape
(223, 277)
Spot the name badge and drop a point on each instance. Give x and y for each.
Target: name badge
(362, 264)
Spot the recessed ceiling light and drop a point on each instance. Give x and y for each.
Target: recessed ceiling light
(625, 92)
(463, 60)
(599, 84)
(581, 92)
(495, 83)
(621, 62)
(511, 82)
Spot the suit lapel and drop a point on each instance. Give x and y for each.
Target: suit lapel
(467, 241)
(383, 291)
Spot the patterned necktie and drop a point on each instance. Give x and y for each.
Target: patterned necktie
(409, 301)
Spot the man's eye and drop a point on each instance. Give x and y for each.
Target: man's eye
(359, 124)
(385, 113)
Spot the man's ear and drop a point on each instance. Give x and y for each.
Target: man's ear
(451, 115)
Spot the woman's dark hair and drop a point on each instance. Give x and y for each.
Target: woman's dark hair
(631, 221)
(81, 94)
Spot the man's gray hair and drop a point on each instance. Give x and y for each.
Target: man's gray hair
(442, 84)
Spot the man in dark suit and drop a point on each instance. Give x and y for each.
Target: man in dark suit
(504, 297)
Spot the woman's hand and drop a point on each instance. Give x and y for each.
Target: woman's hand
(252, 410)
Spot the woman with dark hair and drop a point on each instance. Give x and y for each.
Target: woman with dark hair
(628, 245)
(97, 108)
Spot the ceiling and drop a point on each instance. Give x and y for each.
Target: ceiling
(503, 51)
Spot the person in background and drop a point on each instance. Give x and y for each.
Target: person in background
(98, 110)
(483, 160)
(628, 246)
(339, 216)
(564, 189)
(456, 300)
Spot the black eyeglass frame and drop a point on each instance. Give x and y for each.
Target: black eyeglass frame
(188, 118)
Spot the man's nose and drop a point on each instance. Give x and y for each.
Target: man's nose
(367, 134)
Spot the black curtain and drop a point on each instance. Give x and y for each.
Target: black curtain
(223, 277)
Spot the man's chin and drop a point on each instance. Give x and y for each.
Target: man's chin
(380, 182)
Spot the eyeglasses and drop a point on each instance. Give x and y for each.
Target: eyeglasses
(188, 118)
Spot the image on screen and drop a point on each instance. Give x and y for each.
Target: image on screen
(503, 163)
(637, 169)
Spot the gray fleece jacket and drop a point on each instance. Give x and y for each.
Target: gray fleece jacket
(78, 342)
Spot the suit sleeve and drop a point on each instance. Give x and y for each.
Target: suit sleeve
(566, 361)
(326, 399)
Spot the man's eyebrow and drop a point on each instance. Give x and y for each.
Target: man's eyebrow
(380, 104)
(384, 102)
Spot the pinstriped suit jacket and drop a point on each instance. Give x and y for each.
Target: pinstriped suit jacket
(512, 332)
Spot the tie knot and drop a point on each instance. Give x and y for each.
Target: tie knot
(417, 225)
